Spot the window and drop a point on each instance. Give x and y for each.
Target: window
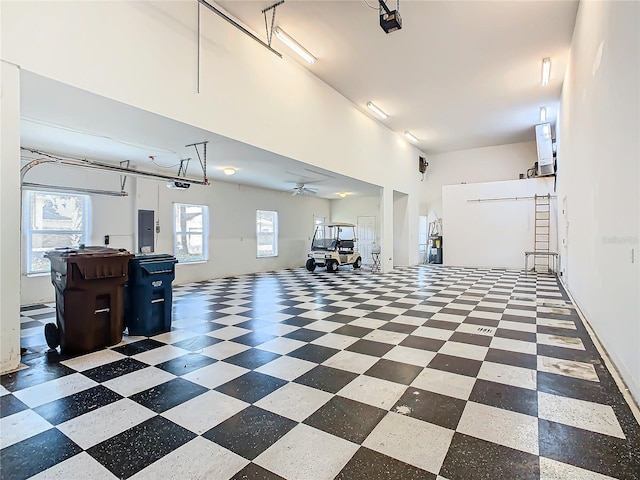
(53, 220)
(267, 233)
(190, 232)
(319, 232)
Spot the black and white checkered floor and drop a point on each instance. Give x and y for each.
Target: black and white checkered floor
(422, 373)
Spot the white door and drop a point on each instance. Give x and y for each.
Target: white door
(422, 238)
(366, 238)
(564, 255)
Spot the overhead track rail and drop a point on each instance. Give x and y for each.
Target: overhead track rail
(90, 191)
(83, 163)
(230, 20)
(269, 28)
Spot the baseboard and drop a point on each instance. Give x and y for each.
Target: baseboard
(630, 390)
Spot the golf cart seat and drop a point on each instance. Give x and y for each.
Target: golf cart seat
(346, 246)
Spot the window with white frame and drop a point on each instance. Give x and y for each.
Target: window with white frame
(190, 232)
(53, 220)
(319, 232)
(267, 233)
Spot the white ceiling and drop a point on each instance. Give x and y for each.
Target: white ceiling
(460, 74)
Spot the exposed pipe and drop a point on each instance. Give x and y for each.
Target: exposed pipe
(110, 193)
(101, 166)
(238, 26)
(503, 198)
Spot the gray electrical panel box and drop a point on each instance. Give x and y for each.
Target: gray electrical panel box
(145, 231)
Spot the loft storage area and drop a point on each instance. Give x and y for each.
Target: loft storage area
(272, 263)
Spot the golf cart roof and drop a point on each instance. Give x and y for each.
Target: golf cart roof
(336, 224)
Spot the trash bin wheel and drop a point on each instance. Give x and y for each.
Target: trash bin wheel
(52, 335)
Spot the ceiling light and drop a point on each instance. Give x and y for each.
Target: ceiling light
(543, 114)
(342, 194)
(411, 137)
(377, 111)
(293, 45)
(229, 170)
(546, 70)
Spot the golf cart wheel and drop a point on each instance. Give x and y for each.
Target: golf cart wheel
(332, 266)
(52, 335)
(311, 265)
(358, 263)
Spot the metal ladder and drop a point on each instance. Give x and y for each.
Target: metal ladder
(542, 226)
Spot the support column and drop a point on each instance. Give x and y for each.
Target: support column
(386, 235)
(9, 217)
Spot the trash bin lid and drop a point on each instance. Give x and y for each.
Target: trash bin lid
(157, 263)
(93, 263)
(91, 251)
(154, 256)
(143, 258)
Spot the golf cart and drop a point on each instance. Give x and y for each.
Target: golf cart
(333, 245)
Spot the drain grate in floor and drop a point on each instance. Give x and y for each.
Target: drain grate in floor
(485, 330)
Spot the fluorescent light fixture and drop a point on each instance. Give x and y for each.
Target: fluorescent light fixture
(543, 114)
(377, 111)
(293, 45)
(546, 70)
(229, 170)
(410, 136)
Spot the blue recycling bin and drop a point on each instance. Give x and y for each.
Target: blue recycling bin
(149, 294)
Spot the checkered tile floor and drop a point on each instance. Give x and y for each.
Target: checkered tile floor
(423, 373)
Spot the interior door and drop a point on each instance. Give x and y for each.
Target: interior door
(422, 238)
(564, 255)
(366, 238)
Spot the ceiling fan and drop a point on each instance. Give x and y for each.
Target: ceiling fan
(301, 189)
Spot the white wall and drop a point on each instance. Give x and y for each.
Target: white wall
(145, 54)
(489, 164)
(348, 209)
(232, 223)
(401, 233)
(492, 232)
(599, 176)
(9, 218)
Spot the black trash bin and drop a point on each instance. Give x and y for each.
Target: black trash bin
(89, 284)
(149, 295)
